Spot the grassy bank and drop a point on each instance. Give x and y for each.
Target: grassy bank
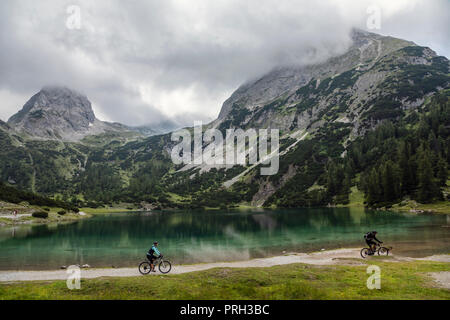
(53, 217)
(106, 210)
(399, 280)
(442, 207)
(25, 212)
(356, 199)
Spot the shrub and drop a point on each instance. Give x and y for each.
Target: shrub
(62, 212)
(47, 209)
(40, 214)
(93, 205)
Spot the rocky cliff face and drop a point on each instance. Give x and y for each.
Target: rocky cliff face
(59, 113)
(379, 78)
(366, 51)
(4, 126)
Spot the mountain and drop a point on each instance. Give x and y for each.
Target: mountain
(296, 97)
(62, 114)
(154, 129)
(4, 126)
(371, 123)
(367, 48)
(378, 79)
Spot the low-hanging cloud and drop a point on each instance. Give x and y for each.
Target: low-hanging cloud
(144, 62)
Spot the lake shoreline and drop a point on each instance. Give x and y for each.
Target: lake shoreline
(27, 219)
(122, 239)
(410, 206)
(342, 257)
(9, 220)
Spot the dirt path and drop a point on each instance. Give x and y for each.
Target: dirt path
(331, 257)
(442, 279)
(438, 258)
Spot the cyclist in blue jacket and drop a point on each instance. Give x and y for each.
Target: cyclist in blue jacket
(153, 254)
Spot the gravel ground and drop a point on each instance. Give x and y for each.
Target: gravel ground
(330, 257)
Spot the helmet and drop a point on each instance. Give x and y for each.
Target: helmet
(156, 242)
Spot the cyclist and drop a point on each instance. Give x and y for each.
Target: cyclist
(152, 254)
(370, 238)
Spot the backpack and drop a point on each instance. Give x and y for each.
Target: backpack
(369, 235)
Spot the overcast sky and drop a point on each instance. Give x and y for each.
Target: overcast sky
(141, 62)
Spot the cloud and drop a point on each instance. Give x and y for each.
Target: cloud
(150, 61)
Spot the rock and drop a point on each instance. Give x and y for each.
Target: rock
(85, 266)
(283, 81)
(59, 113)
(145, 206)
(63, 267)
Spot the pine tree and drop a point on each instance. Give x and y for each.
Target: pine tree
(331, 179)
(407, 180)
(424, 128)
(427, 187)
(374, 188)
(390, 182)
(442, 172)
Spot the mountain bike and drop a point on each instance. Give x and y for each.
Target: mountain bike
(164, 266)
(382, 251)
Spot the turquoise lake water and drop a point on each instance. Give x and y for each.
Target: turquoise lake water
(122, 239)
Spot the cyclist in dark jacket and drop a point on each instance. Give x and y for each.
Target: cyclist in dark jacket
(152, 254)
(370, 238)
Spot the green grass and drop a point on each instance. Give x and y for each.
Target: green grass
(356, 199)
(442, 207)
(24, 208)
(52, 218)
(435, 207)
(103, 210)
(399, 280)
(4, 221)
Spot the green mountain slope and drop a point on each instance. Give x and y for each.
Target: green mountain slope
(375, 119)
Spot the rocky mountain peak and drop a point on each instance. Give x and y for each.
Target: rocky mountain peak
(59, 113)
(54, 112)
(60, 101)
(366, 49)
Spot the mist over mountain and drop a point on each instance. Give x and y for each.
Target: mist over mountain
(345, 126)
(366, 48)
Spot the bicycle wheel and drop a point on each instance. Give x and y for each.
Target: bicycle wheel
(144, 267)
(383, 251)
(364, 252)
(165, 266)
